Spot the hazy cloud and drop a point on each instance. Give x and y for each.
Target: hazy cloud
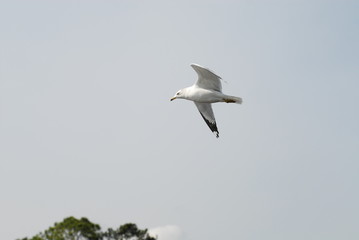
(168, 232)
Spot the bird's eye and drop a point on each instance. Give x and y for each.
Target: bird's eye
(177, 93)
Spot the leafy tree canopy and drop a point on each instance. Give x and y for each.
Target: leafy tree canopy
(82, 229)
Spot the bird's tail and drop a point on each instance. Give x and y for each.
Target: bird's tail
(232, 99)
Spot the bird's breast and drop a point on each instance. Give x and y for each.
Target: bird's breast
(204, 95)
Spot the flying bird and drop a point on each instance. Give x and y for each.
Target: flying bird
(205, 91)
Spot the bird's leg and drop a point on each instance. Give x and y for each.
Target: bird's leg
(227, 100)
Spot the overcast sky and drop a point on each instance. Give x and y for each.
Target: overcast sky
(87, 128)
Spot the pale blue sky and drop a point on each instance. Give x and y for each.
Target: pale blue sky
(87, 128)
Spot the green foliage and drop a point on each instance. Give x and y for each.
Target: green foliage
(33, 238)
(73, 229)
(82, 229)
(126, 232)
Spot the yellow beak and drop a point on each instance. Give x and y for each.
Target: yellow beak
(173, 98)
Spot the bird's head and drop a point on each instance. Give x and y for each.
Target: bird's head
(178, 94)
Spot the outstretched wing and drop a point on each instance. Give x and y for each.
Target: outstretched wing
(207, 79)
(205, 109)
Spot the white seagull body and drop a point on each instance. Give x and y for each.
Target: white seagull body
(206, 90)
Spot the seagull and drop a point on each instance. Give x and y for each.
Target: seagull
(205, 91)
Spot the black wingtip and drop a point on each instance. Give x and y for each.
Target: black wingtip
(212, 126)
